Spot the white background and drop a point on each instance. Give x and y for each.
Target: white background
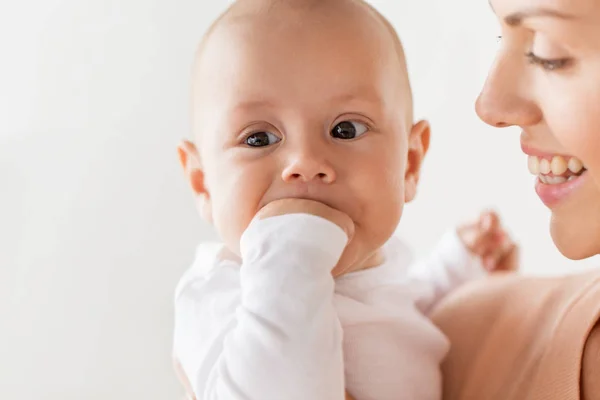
(96, 223)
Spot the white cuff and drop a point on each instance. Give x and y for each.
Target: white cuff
(302, 235)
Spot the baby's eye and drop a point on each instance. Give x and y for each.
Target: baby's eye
(348, 130)
(262, 139)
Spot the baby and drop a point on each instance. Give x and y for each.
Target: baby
(305, 152)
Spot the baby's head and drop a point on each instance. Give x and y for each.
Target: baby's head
(304, 99)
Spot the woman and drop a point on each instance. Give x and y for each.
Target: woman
(526, 338)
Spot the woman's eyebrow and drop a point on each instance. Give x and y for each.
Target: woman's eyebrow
(516, 18)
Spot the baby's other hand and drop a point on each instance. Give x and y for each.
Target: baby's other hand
(189, 393)
(303, 206)
(486, 238)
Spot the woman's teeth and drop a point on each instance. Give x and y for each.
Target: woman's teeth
(555, 180)
(575, 165)
(556, 170)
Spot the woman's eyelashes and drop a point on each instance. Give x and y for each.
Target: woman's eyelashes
(547, 63)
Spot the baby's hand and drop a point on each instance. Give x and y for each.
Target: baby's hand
(487, 239)
(189, 393)
(302, 206)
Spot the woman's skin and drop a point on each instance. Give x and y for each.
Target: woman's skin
(590, 384)
(546, 81)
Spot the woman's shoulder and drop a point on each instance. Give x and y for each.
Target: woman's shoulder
(510, 294)
(590, 369)
(521, 337)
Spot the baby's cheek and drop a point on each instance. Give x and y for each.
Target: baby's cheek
(235, 207)
(385, 210)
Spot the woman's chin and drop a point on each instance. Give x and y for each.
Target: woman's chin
(575, 223)
(572, 241)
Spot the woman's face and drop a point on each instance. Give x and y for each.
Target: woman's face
(546, 80)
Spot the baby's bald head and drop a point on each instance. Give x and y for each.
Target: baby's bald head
(253, 17)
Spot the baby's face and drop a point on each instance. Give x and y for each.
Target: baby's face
(313, 111)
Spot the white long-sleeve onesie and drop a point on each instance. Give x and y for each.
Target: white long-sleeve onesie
(278, 327)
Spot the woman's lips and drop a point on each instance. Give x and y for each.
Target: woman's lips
(553, 194)
(557, 175)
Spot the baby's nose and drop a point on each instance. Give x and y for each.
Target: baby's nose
(306, 169)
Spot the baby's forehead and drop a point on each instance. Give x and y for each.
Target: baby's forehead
(260, 16)
(251, 47)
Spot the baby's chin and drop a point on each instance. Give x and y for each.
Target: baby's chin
(348, 262)
(352, 261)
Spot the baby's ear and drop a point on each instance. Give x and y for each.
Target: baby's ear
(192, 168)
(418, 144)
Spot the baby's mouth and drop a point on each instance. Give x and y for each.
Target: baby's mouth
(554, 170)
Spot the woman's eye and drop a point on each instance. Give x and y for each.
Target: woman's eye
(547, 64)
(261, 139)
(348, 130)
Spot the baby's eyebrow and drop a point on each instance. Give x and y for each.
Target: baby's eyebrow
(360, 95)
(253, 104)
(347, 98)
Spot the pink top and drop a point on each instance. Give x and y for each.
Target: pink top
(515, 337)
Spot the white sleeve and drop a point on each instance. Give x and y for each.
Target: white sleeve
(450, 265)
(267, 331)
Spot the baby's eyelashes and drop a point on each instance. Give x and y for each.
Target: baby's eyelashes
(261, 139)
(349, 130)
(345, 130)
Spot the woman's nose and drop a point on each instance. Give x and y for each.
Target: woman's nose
(506, 98)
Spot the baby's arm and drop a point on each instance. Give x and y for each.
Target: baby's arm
(464, 254)
(268, 330)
